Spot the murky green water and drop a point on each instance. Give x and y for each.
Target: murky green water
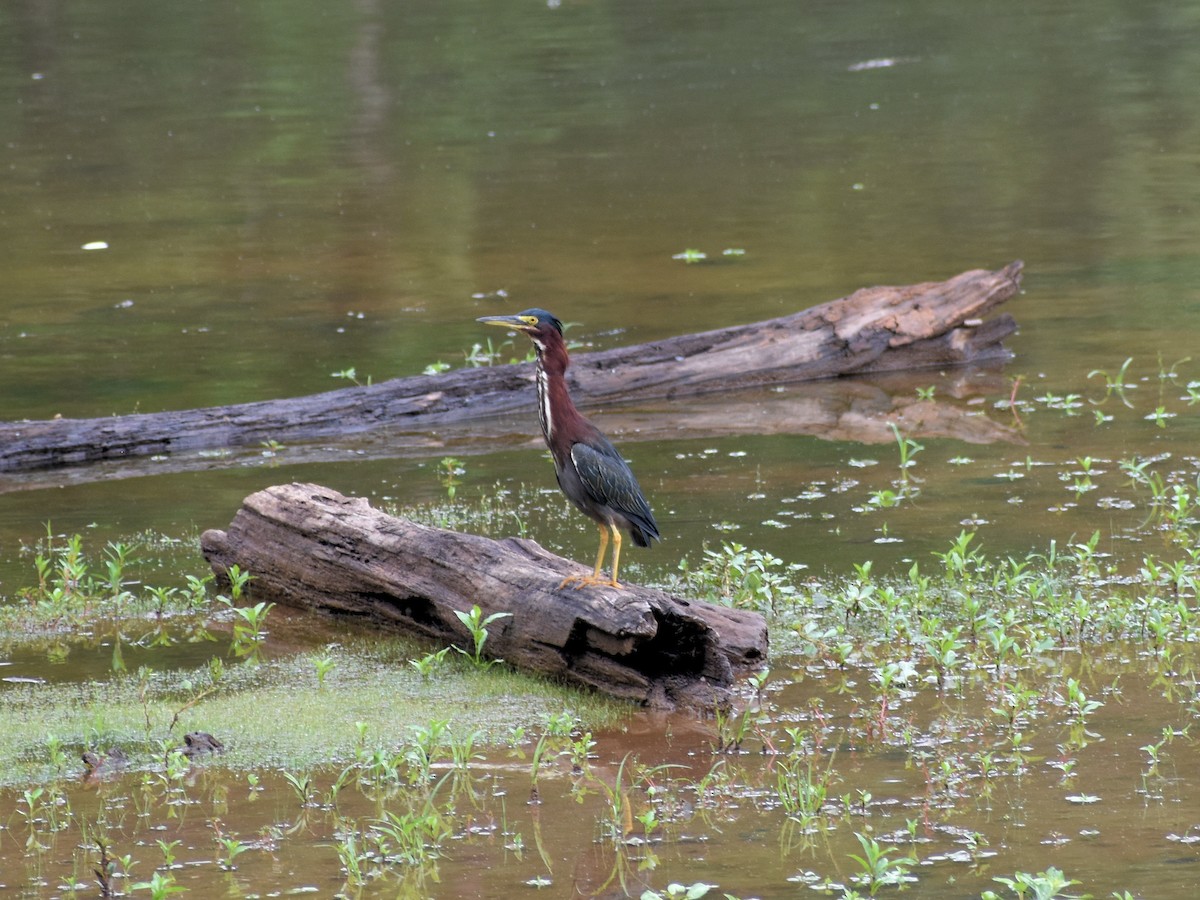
(290, 190)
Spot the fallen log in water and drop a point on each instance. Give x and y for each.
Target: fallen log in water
(310, 547)
(876, 329)
(841, 409)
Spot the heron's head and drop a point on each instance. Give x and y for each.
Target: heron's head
(542, 327)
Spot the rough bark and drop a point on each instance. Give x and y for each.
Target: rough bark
(844, 409)
(310, 547)
(873, 330)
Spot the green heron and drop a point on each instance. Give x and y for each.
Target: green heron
(590, 471)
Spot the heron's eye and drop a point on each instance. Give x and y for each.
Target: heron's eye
(529, 320)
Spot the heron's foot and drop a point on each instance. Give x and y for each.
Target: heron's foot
(579, 581)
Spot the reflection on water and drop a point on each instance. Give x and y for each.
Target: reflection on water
(945, 779)
(289, 194)
(282, 200)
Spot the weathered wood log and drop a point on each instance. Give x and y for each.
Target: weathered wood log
(843, 409)
(873, 330)
(310, 547)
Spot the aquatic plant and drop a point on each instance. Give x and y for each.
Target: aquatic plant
(877, 869)
(161, 885)
(477, 625)
(449, 469)
(323, 665)
(249, 633)
(409, 837)
(428, 664)
(737, 576)
(802, 784)
(302, 785)
(908, 450)
(229, 850)
(1046, 885)
(1116, 384)
(350, 375)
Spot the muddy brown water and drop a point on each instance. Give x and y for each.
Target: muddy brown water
(231, 202)
(919, 783)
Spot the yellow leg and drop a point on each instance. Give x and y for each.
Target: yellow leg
(600, 553)
(616, 539)
(581, 580)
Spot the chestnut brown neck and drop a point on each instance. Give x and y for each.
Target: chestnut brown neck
(560, 420)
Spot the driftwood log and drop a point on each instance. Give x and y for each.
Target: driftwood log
(842, 409)
(310, 547)
(878, 329)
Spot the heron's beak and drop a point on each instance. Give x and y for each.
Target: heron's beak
(520, 323)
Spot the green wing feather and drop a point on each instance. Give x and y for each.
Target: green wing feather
(610, 482)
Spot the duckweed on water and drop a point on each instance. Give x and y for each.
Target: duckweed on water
(281, 712)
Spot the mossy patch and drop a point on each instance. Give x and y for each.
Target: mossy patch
(279, 712)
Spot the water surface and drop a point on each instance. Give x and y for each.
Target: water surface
(286, 191)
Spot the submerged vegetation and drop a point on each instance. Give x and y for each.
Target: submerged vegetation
(963, 724)
(166, 661)
(983, 678)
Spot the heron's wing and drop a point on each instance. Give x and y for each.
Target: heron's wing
(610, 482)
